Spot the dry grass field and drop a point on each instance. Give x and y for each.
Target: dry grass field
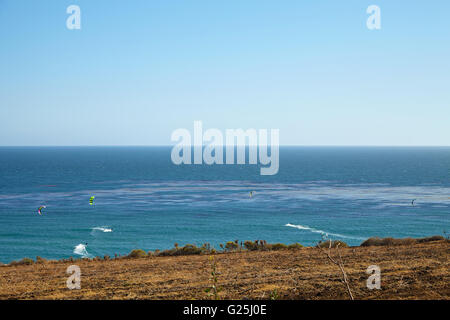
(419, 271)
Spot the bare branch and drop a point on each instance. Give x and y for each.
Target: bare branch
(340, 264)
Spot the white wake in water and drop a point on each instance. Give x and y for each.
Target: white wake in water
(81, 251)
(103, 229)
(321, 231)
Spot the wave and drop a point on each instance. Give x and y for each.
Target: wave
(103, 229)
(324, 233)
(81, 251)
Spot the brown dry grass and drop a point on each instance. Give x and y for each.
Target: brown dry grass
(420, 271)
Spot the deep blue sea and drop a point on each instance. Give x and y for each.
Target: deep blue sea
(144, 201)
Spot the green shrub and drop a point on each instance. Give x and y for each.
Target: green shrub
(40, 260)
(24, 261)
(230, 246)
(376, 241)
(188, 249)
(27, 261)
(164, 253)
(429, 239)
(191, 249)
(214, 289)
(276, 246)
(334, 243)
(263, 245)
(137, 253)
(295, 246)
(250, 245)
(274, 295)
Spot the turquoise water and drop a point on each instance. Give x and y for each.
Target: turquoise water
(144, 201)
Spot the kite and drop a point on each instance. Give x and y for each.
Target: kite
(40, 210)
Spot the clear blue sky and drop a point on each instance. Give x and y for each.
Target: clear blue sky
(137, 70)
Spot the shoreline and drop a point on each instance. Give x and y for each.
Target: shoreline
(229, 246)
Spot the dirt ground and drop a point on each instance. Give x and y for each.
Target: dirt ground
(420, 271)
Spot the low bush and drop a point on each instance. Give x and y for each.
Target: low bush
(432, 238)
(376, 241)
(40, 260)
(24, 261)
(191, 249)
(276, 246)
(250, 245)
(187, 250)
(295, 246)
(334, 244)
(230, 246)
(137, 253)
(262, 245)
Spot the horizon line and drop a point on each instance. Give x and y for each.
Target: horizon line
(236, 145)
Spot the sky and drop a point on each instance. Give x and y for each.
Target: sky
(138, 70)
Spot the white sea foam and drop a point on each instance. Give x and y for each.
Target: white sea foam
(103, 229)
(81, 250)
(325, 233)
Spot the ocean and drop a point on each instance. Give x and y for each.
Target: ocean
(144, 201)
